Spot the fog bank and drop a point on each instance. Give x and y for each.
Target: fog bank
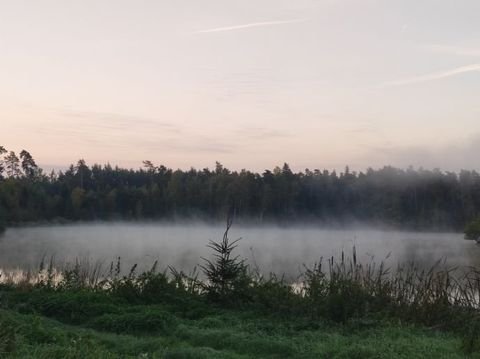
(273, 249)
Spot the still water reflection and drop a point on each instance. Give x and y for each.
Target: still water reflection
(273, 249)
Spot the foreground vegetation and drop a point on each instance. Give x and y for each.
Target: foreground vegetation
(472, 230)
(123, 330)
(416, 199)
(337, 309)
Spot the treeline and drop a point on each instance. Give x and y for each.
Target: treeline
(417, 199)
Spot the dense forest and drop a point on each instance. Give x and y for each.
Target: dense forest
(411, 198)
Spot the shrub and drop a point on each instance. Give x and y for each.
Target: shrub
(275, 295)
(7, 338)
(340, 295)
(472, 230)
(228, 279)
(67, 306)
(149, 321)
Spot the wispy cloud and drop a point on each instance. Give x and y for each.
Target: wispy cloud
(455, 50)
(102, 130)
(261, 133)
(192, 143)
(250, 25)
(116, 121)
(433, 76)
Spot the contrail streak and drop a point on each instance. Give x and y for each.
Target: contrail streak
(434, 76)
(253, 24)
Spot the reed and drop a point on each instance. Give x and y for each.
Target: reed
(338, 289)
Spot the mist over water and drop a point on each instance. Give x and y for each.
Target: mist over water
(273, 249)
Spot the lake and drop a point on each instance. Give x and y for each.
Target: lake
(272, 249)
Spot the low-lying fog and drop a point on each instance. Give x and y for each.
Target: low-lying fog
(273, 249)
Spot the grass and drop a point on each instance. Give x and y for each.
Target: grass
(225, 334)
(339, 309)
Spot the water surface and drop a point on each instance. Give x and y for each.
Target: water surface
(272, 249)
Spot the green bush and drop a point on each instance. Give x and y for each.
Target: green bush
(228, 281)
(76, 348)
(7, 338)
(339, 296)
(67, 306)
(274, 295)
(471, 337)
(147, 321)
(472, 230)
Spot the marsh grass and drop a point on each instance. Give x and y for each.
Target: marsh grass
(356, 288)
(337, 289)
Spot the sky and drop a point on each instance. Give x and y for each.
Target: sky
(251, 84)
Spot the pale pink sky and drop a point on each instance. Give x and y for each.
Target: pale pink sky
(252, 84)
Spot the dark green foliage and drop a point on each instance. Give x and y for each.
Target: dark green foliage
(197, 353)
(239, 336)
(274, 295)
(147, 322)
(72, 307)
(472, 230)
(408, 198)
(7, 337)
(471, 337)
(439, 297)
(339, 294)
(227, 277)
(243, 343)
